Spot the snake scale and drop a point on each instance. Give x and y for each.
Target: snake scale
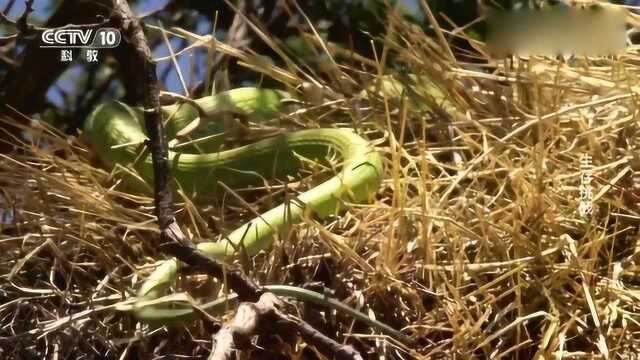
(115, 132)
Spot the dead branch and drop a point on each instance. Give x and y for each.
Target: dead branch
(173, 242)
(264, 317)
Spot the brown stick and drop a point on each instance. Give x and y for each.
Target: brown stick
(172, 240)
(264, 317)
(250, 318)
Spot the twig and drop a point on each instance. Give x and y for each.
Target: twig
(250, 319)
(22, 24)
(8, 7)
(265, 316)
(25, 85)
(25, 28)
(173, 241)
(326, 345)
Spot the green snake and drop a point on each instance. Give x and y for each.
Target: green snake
(115, 131)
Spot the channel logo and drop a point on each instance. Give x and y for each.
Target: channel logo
(102, 38)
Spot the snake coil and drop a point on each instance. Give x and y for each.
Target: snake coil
(116, 130)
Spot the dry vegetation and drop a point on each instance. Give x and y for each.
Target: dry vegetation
(474, 246)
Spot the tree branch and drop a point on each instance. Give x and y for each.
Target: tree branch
(264, 317)
(25, 88)
(251, 319)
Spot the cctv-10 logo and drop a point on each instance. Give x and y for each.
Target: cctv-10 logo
(80, 38)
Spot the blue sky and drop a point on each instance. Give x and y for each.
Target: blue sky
(43, 8)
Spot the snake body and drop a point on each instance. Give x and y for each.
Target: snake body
(115, 132)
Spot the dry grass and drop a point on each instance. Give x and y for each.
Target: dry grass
(474, 246)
